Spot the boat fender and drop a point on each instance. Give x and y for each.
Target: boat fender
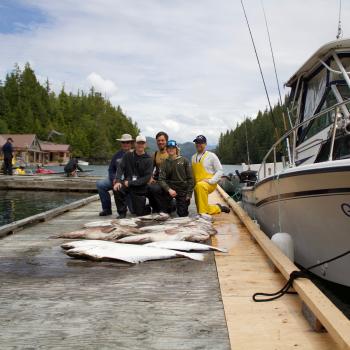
(284, 241)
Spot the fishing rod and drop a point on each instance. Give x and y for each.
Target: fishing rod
(277, 82)
(246, 140)
(261, 72)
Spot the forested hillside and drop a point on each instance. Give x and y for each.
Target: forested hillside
(261, 134)
(88, 122)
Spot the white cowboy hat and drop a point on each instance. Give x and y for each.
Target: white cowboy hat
(125, 138)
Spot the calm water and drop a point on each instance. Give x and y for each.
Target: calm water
(16, 205)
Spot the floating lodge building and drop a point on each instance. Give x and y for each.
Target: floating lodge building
(29, 149)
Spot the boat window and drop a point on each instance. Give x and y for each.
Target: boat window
(316, 87)
(341, 149)
(344, 91)
(323, 121)
(338, 76)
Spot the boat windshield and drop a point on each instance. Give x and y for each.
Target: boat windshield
(323, 90)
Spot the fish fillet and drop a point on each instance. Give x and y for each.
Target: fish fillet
(98, 233)
(184, 246)
(156, 228)
(155, 217)
(187, 235)
(97, 250)
(101, 223)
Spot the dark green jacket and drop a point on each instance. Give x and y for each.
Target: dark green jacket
(177, 175)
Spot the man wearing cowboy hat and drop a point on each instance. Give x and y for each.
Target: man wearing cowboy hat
(105, 185)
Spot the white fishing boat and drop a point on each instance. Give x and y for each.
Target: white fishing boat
(83, 162)
(310, 197)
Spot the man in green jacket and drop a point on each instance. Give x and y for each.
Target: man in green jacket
(175, 178)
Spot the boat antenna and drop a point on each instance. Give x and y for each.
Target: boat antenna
(246, 140)
(340, 30)
(260, 69)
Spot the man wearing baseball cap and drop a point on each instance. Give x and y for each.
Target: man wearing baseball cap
(105, 185)
(133, 174)
(207, 171)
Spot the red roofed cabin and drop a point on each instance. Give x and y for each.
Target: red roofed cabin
(31, 150)
(54, 152)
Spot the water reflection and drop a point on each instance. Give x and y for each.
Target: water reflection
(16, 205)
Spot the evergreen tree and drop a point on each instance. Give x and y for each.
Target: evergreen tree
(88, 122)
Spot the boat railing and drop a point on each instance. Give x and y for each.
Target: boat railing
(293, 133)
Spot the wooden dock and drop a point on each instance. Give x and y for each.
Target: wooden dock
(246, 270)
(49, 300)
(49, 183)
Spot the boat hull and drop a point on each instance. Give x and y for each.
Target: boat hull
(313, 206)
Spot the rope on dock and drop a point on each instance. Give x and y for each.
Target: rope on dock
(304, 273)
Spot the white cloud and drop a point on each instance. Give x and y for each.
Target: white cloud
(187, 66)
(104, 86)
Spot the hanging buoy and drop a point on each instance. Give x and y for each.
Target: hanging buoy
(284, 241)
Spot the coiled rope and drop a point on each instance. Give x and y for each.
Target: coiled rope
(303, 273)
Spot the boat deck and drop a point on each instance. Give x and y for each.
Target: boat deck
(49, 300)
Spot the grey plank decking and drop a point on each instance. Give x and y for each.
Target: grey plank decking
(50, 301)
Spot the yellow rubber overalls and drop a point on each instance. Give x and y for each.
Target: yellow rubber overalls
(202, 189)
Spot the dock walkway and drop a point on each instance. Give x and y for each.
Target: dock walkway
(49, 300)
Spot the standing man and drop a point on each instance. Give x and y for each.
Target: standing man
(105, 185)
(207, 171)
(176, 181)
(154, 189)
(133, 174)
(7, 149)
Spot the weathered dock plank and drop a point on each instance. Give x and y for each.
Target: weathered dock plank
(50, 301)
(242, 272)
(49, 183)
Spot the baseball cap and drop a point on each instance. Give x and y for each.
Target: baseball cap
(200, 139)
(141, 138)
(171, 143)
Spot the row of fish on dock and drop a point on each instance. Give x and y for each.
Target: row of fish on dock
(139, 239)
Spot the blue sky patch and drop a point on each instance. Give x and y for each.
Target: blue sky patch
(16, 16)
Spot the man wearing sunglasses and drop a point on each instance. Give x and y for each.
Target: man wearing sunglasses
(133, 175)
(105, 185)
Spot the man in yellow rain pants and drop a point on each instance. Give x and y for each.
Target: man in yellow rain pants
(207, 171)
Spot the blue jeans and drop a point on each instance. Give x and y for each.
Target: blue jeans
(103, 188)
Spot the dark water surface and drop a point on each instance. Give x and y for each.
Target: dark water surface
(16, 205)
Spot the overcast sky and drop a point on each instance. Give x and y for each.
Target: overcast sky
(183, 66)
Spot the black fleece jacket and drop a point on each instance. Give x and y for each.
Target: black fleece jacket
(134, 166)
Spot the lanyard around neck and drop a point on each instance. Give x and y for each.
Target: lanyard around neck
(200, 157)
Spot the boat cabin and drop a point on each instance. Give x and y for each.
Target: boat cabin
(319, 85)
